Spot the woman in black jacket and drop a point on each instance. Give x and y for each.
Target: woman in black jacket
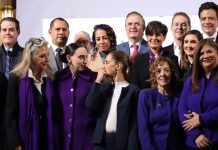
(115, 104)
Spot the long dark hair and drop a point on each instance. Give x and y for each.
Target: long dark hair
(197, 69)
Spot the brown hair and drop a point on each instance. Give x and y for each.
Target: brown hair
(174, 83)
(184, 62)
(120, 56)
(197, 69)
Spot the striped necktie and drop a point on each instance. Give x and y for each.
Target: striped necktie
(7, 64)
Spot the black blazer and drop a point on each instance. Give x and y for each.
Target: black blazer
(140, 68)
(217, 39)
(3, 93)
(15, 56)
(99, 100)
(170, 49)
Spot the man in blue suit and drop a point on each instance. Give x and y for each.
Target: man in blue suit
(135, 26)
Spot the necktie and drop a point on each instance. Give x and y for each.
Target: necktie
(7, 64)
(57, 57)
(135, 52)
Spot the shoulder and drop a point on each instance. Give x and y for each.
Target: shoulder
(148, 92)
(122, 45)
(60, 75)
(144, 43)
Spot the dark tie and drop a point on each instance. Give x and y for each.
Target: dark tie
(135, 52)
(7, 64)
(59, 51)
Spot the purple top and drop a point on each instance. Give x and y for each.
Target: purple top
(152, 57)
(78, 122)
(192, 101)
(158, 121)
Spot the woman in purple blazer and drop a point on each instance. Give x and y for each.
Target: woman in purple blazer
(73, 84)
(198, 108)
(29, 120)
(158, 117)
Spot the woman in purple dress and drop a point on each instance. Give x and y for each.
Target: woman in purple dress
(158, 116)
(198, 107)
(72, 86)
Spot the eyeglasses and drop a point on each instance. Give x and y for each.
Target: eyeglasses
(37, 42)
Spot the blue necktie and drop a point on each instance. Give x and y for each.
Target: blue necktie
(7, 64)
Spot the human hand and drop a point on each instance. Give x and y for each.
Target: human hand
(203, 142)
(100, 76)
(191, 122)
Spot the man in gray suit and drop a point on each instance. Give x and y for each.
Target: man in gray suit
(135, 27)
(59, 32)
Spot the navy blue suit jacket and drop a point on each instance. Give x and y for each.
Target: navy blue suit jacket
(125, 47)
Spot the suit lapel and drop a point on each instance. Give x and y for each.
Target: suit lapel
(52, 61)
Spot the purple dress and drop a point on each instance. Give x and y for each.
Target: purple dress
(77, 122)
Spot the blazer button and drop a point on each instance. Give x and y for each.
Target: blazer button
(71, 89)
(71, 105)
(70, 120)
(69, 135)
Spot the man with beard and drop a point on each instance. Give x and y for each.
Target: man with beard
(59, 32)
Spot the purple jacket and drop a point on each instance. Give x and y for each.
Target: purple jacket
(21, 109)
(158, 121)
(209, 117)
(77, 122)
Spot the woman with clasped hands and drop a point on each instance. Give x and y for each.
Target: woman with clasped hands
(115, 104)
(198, 106)
(158, 116)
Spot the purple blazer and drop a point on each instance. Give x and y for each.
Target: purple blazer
(209, 117)
(158, 121)
(21, 115)
(77, 122)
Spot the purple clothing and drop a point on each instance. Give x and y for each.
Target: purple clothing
(77, 122)
(158, 121)
(21, 114)
(192, 101)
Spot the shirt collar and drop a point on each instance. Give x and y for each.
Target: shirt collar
(213, 36)
(54, 47)
(138, 43)
(30, 75)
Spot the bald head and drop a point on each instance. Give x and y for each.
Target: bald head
(83, 38)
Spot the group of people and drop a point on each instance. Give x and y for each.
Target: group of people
(95, 94)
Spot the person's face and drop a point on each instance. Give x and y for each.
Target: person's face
(9, 33)
(163, 75)
(179, 27)
(209, 21)
(134, 27)
(189, 45)
(84, 40)
(102, 40)
(40, 59)
(79, 60)
(208, 57)
(110, 66)
(59, 33)
(155, 41)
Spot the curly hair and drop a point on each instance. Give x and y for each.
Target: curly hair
(174, 83)
(110, 33)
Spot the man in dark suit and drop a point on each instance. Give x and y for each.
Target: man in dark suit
(135, 26)
(10, 55)
(180, 25)
(59, 32)
(208, 15)
(10, 50)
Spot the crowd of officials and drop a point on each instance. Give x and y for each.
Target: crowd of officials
(96, 95)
